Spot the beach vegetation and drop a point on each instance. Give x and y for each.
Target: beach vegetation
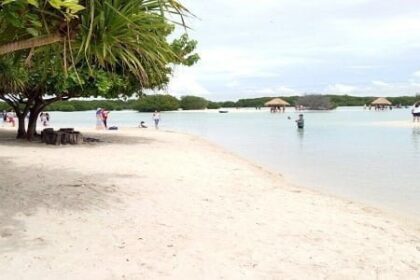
(213, 105)
(157, 102)
(260, 101)
(53, 51)
(190, 102)
(228, 104)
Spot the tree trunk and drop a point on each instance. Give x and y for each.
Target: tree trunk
(30, 133)
(33, 118)
(31, 43)
(21, 134)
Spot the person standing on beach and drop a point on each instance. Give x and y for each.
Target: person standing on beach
(43, 119)
(105, 114)
(10, 118)
(416, 112)
(156, 119)
(99, 122)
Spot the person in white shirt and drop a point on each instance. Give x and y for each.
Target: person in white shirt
(156, 119)
(416, 112)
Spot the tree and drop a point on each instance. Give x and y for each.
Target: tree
(36, 23)
(29, 90)
(213, 105)
(190, 102)
(158, 102)
(109, 48)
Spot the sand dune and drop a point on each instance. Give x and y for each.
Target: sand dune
(148, 204)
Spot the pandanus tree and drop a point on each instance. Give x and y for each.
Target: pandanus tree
(68, 48)
(28, 24)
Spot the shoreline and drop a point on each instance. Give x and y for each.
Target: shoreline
(388, 211)
(377, 207)
(202, 209)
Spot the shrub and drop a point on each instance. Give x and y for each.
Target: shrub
(156, 102)
(190, 102)
(213, 105)
(228, 104)
(4, 106)
(65, 108)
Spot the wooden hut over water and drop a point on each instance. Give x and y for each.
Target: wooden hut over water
(381, 103)
(277, 105)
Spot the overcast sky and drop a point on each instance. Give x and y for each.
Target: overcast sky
(285, 47)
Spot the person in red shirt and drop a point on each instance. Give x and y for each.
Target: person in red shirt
(105, 114)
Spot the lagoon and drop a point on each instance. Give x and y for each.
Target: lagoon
(349, 152)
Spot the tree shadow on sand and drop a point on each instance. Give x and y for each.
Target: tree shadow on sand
(8, 138)
(23, 194)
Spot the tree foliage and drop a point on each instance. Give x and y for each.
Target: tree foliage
(213, 105)
(190, 102)
(54, 50)
(157, 102)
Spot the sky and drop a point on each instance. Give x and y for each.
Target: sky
(292, 47)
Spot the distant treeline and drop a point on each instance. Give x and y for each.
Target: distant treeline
(336, 100)
(84, 105)
(167, 102)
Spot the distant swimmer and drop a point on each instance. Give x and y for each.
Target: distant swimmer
(300, 122)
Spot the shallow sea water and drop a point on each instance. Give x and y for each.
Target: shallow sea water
(348, 152)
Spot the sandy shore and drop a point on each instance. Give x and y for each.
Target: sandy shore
(148, 204)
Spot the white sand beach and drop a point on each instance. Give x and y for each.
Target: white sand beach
(148, 204)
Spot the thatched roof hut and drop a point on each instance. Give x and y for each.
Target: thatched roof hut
(277, 102)
(381, 102)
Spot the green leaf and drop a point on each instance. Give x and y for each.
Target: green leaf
(56, 3)
(32, 31)
(33, 3)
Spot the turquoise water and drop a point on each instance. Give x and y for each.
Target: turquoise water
(342, 152)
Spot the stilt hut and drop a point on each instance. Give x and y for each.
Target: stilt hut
(277, 105)
(381, 103)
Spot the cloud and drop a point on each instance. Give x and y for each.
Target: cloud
(184, 82)
(376, 88)
(232, 84)
(340, 89)
(416, 74)
(343, 47)
(380, 84)
(280, 90)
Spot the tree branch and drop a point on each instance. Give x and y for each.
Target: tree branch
(31, 43)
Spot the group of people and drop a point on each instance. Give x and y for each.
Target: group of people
(416, 112)
(102, 118)
(10, 116)
(156, 120)
(275, 109)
